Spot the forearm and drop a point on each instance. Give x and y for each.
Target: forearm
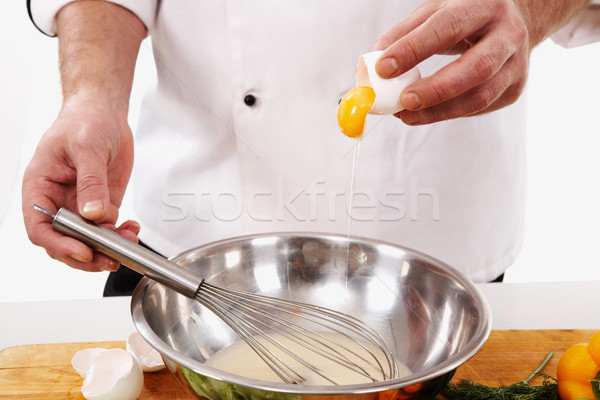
(98, 46)
(544, 17)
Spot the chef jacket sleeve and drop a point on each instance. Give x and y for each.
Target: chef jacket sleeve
(43, 12)
(581, 30)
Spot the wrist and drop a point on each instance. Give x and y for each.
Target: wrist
(542, 17)
(91, 101)
(115, 104)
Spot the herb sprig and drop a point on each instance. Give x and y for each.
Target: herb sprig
(466, 389)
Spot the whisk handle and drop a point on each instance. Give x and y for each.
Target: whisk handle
(128, 253)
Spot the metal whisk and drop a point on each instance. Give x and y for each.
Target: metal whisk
(268, 325)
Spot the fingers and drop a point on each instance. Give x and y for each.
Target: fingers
(77, 255)
(129, 230)
(498, 92)
(71, 251)
(478, 65)
(440, 31)
(42, 191)
(65, 249)
(62, 248)
(415, 19)
(479, 82)
(489, 74)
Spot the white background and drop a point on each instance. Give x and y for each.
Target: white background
(563, 215)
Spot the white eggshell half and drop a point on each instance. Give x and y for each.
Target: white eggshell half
(83, 359)
(115, 374)
(150, 359)
(387, 91)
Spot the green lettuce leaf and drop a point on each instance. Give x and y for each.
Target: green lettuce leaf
(218, 390)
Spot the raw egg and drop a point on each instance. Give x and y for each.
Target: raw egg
(239, 358)
(353, 110)
(372, 95)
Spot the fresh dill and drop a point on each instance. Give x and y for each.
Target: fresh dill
(466, 389)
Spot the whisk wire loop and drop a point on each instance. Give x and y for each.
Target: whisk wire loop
(285, 373)
(314, 341)
(257, 327)
(254, 317)
(243, 325)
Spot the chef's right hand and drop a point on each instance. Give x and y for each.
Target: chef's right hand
(83, 163)
(494, 40)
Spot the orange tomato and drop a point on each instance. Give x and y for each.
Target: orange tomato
(577, 367)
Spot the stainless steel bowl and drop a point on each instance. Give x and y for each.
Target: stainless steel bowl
(431, 316)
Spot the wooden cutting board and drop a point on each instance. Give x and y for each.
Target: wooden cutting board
(43, 371)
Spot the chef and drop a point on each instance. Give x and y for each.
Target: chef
(238, 135)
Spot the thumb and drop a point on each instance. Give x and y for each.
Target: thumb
(93, 198)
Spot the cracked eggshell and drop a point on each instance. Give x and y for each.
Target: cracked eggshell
(83, 359)
(387, 91)
(150, 359)
(114, 374)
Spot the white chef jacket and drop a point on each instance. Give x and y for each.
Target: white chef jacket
(239, 136)
(583, 29)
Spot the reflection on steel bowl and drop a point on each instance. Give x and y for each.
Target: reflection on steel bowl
(432, 318)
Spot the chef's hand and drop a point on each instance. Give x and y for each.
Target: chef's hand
(494, 38)
(83, 163)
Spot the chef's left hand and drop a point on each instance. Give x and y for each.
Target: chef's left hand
(494, 38)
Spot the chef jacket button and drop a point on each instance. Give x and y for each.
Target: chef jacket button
(250, 100)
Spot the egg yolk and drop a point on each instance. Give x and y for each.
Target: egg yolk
(353, 110)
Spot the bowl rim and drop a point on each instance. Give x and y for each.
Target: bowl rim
(479, 338)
